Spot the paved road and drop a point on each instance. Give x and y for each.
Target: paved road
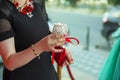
(87, 64)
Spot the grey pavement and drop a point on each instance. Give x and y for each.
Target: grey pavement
(87, 64)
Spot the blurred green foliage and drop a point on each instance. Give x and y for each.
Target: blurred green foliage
(72, 2)
(114, 2)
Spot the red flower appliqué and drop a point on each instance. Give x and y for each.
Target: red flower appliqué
(27, 10)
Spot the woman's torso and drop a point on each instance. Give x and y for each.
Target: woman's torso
(27, 32)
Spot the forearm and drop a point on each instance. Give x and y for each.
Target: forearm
(14, 60)
(21, 58)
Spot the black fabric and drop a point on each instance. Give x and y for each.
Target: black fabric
(5, 27)
(6, 7)
(26, 32)
(6, 35)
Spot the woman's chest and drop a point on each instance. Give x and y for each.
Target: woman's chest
(25, 26)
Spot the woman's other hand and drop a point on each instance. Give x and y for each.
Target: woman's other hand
(69, 57)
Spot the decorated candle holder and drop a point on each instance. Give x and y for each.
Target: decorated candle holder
(61, 28)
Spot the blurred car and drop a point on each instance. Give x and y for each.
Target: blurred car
(111, 22)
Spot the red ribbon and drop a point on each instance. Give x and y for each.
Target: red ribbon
(60, 58)
(70, 73)
(71, 40)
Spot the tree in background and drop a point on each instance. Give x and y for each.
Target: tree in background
(72, 2)
(114, 2)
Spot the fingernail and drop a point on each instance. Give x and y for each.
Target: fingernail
(71, 59)
(60, 50)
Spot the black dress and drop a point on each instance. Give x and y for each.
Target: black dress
(26, 32)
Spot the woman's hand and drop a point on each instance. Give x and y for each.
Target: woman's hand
(69, 57)
(49, 42)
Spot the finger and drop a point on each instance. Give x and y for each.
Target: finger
(59, 36)
(66, 62)
(59, 44)
(52, 42)
(53, 36)
(56, 50)
(69, 57)
(61, 40)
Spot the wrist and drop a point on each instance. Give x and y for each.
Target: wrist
(35, 52)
